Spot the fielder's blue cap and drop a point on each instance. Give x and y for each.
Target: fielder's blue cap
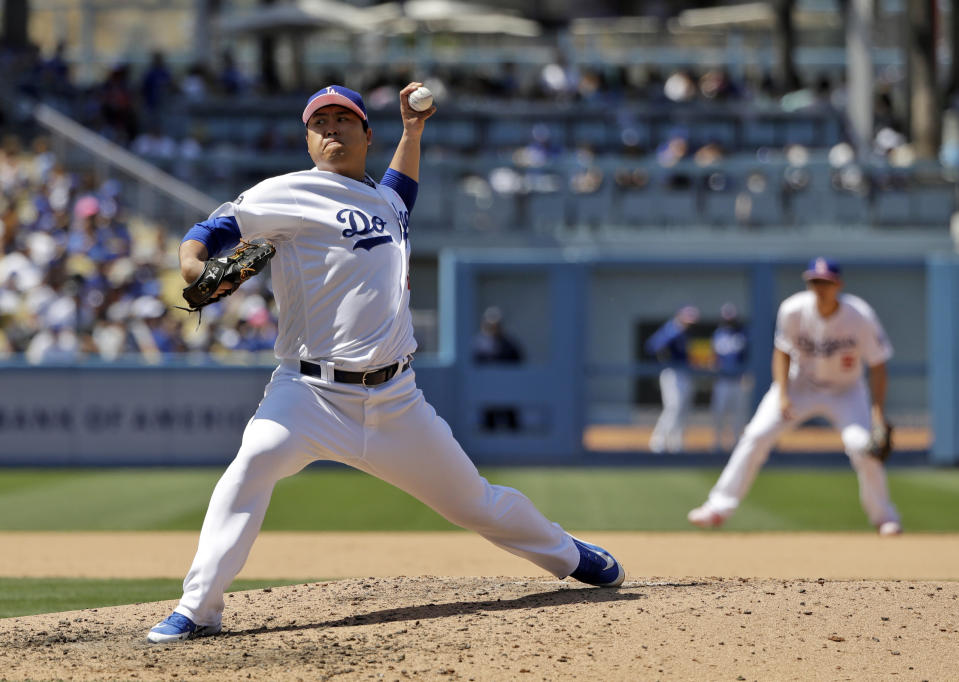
(823, 268)
(334, 94)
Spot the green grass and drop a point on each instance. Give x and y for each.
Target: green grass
(581, 499)
(28, 596)
(339, 499)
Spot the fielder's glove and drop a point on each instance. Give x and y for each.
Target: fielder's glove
(880, 441)
(248, 259)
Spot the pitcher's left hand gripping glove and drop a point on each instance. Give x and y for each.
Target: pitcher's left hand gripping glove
(880, 441)
(248, 259)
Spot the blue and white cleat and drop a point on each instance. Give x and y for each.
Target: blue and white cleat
(597, 566)
(176, 627)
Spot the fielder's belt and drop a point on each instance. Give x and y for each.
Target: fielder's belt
(373, 377)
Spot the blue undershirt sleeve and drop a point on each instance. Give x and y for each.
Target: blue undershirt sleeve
(403, 185)
(216, 234)
(663, 337)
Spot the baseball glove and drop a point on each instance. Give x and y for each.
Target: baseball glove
(248, 259)
(880, 441)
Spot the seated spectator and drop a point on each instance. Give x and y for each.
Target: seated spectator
(541, 148)
(157, 86)
(231, 80)
(717, 85)
(675, 149)
(680, 87)
(55, 72)
(154, 143)
(558, 79)
(118, 112)
(196, 83)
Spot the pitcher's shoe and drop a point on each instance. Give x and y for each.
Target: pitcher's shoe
(705, 517)
(597, 566)
(176, 627)
(890, 528)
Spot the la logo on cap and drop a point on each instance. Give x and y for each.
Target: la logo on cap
(821, 267)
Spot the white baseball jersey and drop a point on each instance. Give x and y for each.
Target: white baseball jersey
(340, 280)
(828, 353)
(825, 372)
(340, 274)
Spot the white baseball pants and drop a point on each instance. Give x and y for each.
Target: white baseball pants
(676, 388)
(388, 431)
(848, 411)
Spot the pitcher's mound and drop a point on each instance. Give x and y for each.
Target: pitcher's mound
(507, 628)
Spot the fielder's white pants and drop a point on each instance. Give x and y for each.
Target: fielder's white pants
(728, 406)
(849, 413)
(388, 431)
(676, 388)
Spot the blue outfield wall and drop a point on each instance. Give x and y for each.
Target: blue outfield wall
(655, 286)
(943, 311)
(182, 414)
(125, 415)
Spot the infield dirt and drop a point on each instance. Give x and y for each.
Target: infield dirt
(793, 623)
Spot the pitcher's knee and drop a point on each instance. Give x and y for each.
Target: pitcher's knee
(485, 511)
(855, 441)
(757, 439)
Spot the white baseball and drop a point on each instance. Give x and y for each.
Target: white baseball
(421, 99)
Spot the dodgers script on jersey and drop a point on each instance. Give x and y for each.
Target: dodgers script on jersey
(828, 353)
(340, 274)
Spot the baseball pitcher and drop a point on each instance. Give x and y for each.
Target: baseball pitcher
(345, 389)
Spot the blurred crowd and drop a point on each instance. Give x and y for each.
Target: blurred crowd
(137, 105)
(134, 104)
(83, 280)
(125, 105)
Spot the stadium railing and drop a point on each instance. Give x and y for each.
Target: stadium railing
(156, 194)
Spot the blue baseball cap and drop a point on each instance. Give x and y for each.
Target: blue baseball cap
(823, 268)
(334, 94)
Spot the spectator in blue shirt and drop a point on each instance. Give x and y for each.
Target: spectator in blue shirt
(731, 386)
(668, 343)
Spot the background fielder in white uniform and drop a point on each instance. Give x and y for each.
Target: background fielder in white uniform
(823, 339)
(344, 389)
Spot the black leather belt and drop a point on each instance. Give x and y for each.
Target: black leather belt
(372, 378)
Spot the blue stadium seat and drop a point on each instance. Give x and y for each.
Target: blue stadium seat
(892, 207)
(933, 205)
(431, 209)
(800, 131)
(504, 132)
(593, 209)
(719, 131)
(719, 207)
(849, 208)
(759, 132)
(597, 134)
(634, 205)
(676, 207)
(767, 209)
(461, 134)
(483, 212)
(545, 211)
